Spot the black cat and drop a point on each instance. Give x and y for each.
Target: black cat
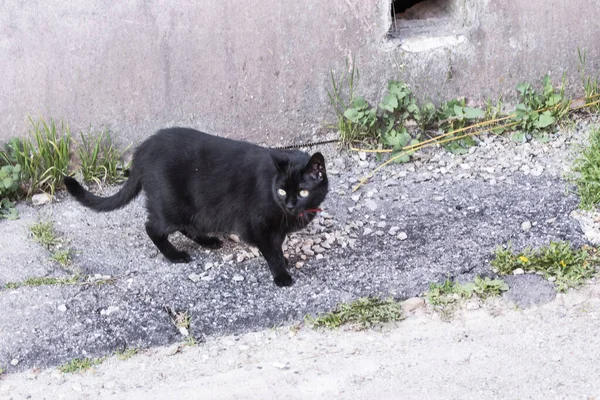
(198, 184)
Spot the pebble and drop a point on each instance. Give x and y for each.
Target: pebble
(62, 308)
(299, 264)
(526, 226)
(184, 331)
(228, 257)
(40, 199)
(519, 271)
(208, 266)
(238, 278)
(280, 365)
(240, 258)
(110, 385)
(367, 231)
(318, 249)
(551, 279)
(194, 277)
(362, 155)
(412, 304)
(235, 238)
(402, 236)
(14, 362)
(109, 310)
(394, 230)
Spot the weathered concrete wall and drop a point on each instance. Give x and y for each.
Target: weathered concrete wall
(259, 69)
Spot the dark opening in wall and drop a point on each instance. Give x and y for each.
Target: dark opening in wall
(431, 18)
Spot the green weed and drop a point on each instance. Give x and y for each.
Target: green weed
(567, 266)
(80, 364)
(587, 172)
(361, 313)
(42, 281)
(101, 161)
(590, 85)
(342, 101)
(43, 233)
(10, 183)
(62, 256)
(127, 353)
(44, 155)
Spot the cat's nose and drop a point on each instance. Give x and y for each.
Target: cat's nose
(290, 206)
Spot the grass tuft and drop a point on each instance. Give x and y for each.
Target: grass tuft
(43, 233)
(101, 161)
(362, 313)
(44, 280)
(587, 172)
(127, 353)
(62, 256)
(80, 364)
(568, 267)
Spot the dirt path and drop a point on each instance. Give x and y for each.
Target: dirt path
(546, 352)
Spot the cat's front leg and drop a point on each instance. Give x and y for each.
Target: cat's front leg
(271, 251)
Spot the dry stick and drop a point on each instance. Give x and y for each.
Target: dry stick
(434, 141)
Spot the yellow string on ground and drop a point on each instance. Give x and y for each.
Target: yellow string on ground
(436, 140)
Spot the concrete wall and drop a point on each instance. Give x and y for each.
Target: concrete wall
(259, 69)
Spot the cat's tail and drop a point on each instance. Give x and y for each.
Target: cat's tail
(128, 192)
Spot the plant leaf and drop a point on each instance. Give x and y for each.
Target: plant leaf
(472, 113)
(545, 119)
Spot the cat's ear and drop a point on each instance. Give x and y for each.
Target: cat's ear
(315, 167)
(281, 163)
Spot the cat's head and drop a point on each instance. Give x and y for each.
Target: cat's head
(300, 185)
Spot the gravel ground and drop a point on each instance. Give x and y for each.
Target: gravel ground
(439, 216)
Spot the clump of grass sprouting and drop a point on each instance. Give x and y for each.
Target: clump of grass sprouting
(567, 266)
(587, 172)
(44, 155)
(62, 256)
(127, 353)
(361, 313)
(44, 280)
(43, 233)
(80, 364)
(100, 159)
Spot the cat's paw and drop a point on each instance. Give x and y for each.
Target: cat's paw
(283, 280)
(180, 257)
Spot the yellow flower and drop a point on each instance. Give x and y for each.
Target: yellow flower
(523, 259)
(563, 263)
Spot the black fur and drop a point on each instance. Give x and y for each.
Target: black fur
(198, 184)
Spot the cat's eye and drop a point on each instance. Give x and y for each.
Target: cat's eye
(281, 192)
(303, 193)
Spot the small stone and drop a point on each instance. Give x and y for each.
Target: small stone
(194, 277)
(307, 250)
(208, 266)
(465, 166)
(550, 221)
(551, 279)
(519, 271)
(362, 155)
(319, 256)
(110, 385)
(238, 278)
(62, 308)
(241, 257)
(14, 362)
(299, 264)
(228, 257)
(184, 331)
(355, 197)
(526, 226)
(280, 365)
(207, 278)
(234, 237)
(412, 304)
(367, 231)
(40, 199)
(381, 224)
(371, 204)
(402, 236)
(318, 249)
(379, 233)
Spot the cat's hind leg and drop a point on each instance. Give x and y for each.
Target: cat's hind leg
(160, 238)
(210, 242)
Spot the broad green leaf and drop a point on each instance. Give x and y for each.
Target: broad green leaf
(8, 182)
(554, 99)
(402, 159)
(458, 110)
(523, 87)
(351, 114)
(545, 119)
(519, 137)
(472, 113)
